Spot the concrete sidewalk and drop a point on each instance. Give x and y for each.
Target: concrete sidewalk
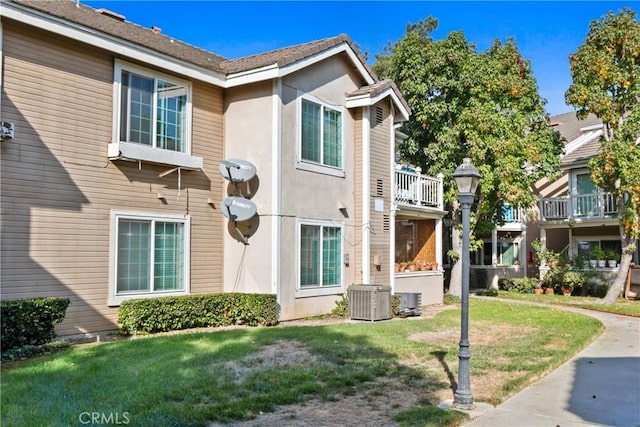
(600, 386)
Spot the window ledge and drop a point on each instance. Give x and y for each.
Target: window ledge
(319, 291)
(318, 168)
(137, 152)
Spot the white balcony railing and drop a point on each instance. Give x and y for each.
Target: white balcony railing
(579, 206)
(414, 189)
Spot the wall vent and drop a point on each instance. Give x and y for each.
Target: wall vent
(370, 302)
(379, 115)
(111, 14)
(386, 223)
(379, 188)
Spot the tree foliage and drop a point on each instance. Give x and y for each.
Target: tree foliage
(481, 105)
(606, 82)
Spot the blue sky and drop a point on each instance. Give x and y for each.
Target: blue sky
(546, 32)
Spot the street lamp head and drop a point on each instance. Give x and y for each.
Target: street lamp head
(467, 177)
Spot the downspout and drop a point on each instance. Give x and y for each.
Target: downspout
(276, 161)
(392, 201)
(366, 196)
(439, 255)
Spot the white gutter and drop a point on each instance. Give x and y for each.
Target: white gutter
(366, 202)
(276, 145)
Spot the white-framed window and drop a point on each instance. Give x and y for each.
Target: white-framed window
(150, 255)
(320, 251)
(154, 109)
(321, 134)
(152, 117)
(507, 252)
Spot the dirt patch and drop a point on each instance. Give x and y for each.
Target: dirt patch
(372, 408)
(281, 354)
(482, 333)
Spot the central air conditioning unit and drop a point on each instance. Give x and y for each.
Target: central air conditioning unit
(370, 302)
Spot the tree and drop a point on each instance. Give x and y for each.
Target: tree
(606, 82)
(484, 106)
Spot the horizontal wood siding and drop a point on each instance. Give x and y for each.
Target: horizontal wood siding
(58, 188)
(380, 188)
(356, 258)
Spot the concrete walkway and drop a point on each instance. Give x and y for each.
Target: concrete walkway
(600, 386)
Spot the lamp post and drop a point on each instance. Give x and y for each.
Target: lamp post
(467, 178)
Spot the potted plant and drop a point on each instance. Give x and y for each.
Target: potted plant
(424, 266)
(412, 266)
(537, 287)
(598, 254)
(570, 281)
(612, 258)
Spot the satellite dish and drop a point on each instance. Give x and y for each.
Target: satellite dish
(238, 208)
(236, 170)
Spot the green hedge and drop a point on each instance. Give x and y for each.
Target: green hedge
(30, 321)
(163, 314)
(521, 285)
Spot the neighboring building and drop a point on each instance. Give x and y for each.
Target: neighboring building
(572, 218)
(575, 216)
(111, 187)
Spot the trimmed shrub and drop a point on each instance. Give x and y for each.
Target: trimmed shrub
(161, 314)
(521, 285)
(30, 321)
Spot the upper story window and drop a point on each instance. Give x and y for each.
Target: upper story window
(321, 133)
(152, 117)
(153, 111)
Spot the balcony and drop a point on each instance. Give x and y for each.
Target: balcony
(578, 207)
(413, 189)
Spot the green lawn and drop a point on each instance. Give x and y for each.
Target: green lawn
(624, 307)
(231, 375)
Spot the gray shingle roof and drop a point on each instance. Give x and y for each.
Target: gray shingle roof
(78, 13)
(569, 126)
(75, 12)
(289, 55)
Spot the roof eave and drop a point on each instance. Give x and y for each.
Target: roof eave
(364, 100)
(275, 71)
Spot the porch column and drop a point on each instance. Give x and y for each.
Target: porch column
(523, 250)
(439, 242)
(494, 247)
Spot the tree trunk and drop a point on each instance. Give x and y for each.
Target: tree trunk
(455, 281)
(620, 281)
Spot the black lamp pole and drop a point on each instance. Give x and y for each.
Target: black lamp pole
(467, 178)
